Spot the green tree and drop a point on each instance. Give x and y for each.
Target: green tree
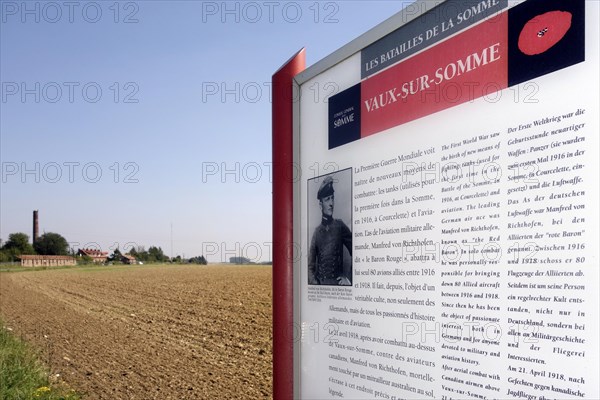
(115, 256)
(18, 243)
(133, 252)
(240, 260)
(5, 256)
(85, 260)
(52, 244)
(198, 260)
(155, 254)
(139, 253)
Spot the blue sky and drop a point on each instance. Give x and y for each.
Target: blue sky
(112, 114)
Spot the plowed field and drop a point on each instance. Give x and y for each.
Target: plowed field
(190, 332)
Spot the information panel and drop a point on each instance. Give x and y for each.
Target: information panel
(447, 213)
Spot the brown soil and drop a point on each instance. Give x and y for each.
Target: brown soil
(190, 332)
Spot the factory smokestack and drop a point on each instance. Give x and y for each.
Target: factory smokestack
(36, 227)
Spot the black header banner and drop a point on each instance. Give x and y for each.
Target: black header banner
(444, 20)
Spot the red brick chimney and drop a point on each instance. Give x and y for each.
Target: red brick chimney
(36, 227)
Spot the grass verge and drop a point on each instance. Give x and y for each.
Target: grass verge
(22, 375)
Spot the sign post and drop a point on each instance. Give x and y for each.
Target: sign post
(283, 172)
(446, 210)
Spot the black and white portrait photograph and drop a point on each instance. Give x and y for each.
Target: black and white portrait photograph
(330, 229)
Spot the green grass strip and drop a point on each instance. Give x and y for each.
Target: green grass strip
(22, 375)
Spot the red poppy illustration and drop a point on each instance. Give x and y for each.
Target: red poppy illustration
(543, 31)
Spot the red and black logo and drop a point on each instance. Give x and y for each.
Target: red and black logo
(544, 36)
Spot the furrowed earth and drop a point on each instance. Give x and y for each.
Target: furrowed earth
(160, 332)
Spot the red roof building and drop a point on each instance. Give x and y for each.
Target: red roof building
(128, 259)
(97, 256)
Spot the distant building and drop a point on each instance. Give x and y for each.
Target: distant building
(97, 256)
(128, 259)
(47, 261)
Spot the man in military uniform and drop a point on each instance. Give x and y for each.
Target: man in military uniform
(326, 254)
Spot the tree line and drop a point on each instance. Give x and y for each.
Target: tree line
(49, 244)
(54, 244)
